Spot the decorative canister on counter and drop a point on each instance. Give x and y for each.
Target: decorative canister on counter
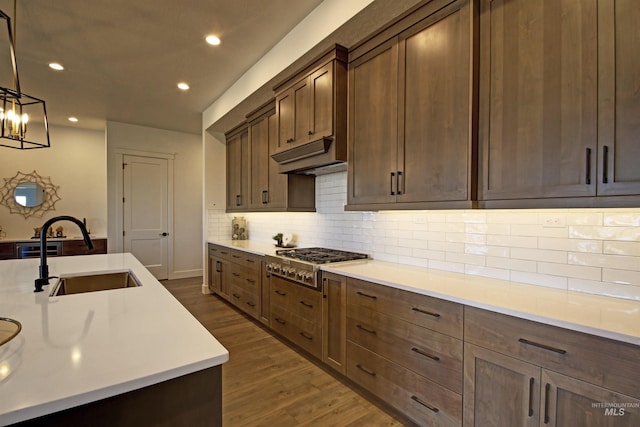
(239, 228)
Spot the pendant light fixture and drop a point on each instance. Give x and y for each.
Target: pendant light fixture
(23, 118)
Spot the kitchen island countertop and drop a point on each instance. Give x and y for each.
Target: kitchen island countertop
(76, 349)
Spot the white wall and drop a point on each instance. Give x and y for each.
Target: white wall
(188, 179)
(588, 250)
(76, 163)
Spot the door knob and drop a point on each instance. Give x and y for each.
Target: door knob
(163, 234)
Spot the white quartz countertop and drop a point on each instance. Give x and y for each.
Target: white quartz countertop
(607, 317)
(80, 348)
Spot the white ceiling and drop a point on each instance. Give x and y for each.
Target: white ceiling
(123, 58)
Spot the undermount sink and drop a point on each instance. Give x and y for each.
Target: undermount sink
(92, 282)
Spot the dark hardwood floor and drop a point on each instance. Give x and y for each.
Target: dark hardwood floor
(265, 382)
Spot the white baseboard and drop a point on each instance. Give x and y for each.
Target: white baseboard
(185, 274)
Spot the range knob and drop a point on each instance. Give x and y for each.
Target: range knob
(292, 272)
(308, 277)
(275, 268)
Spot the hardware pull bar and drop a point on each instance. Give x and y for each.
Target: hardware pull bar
(366, 295)
(371, 331)
(542, 346)
(365, 370)
(425, 404)
(588, 177)
(531, 381)
(393, 174)
(306, 304)
(419, 310)
(307, 336)
(605, 164)
(546, 403)
(423, 353)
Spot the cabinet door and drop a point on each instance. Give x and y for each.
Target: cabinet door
(237, 178)
(619, 97)
(301, 94)
(321, 103)
(499, 390)
(259, 170)
(434, 134)
(538, 98)
(571, 402)
(334, 302)
(373, 124)
(215, 274)
(276, 196)
(284, 111)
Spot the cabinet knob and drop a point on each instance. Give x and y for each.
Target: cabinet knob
(310, 132)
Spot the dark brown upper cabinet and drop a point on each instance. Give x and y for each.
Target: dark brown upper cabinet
(237, 168)
(559, 104)
(411, 141)
(268, 189)
(311, 106)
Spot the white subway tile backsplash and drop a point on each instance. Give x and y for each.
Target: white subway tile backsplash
(576, 271)
(622, 248)
(621, 277)
(587, 250)
(539, 255)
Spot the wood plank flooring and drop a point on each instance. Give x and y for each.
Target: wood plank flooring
(265, 382)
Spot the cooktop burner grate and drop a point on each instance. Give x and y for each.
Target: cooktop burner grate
(320, 255)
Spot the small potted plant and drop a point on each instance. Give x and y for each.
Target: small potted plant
(278, 239)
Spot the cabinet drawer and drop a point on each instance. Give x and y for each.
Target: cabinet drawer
(242, 279)
(433, 313)
(305, 334)
(242, 258)
(303, 302)
(575, 354)
(420, 399)
(245, 301)
(428, 353)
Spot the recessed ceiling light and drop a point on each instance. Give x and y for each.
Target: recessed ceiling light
(183, 86)
(56, 66)
(213, 40)
(73, 119)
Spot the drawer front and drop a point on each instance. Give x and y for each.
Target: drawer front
(245, 301)
(424, 401)
(305, 334)
(428, 353)
(575, 354)
(433, 313)
(248, 282)
(303, 302)
(239, 257)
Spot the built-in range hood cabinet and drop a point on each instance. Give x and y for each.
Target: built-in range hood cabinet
(311, 110)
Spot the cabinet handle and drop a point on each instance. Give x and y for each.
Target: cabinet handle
(310, 132)
(224, 253)
(251, 281)
(280, 293)
(306, 304)
(605, 164)
(236, 274)
(425, 404)
(531, 382)
(546, 403)
(398, 187)
(250, 260)
(279, 320)
(236, 256)
(290, 140)
(370, 331)
(238, 199)
(588, 177)
(366, 295)
(423, 353)
(265, 197)
(250, 304)
(236, 296)
(419, 310)
(542, 346)
(393, 174)
(306, 335)
(218, 267)
(365, 370)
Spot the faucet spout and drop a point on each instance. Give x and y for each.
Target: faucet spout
(44, 268)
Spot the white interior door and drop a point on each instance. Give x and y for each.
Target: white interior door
(145, 211)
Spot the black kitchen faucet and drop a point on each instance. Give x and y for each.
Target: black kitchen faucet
(44, 268)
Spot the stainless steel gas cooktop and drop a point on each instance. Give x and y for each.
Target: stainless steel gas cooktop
(302, 265)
